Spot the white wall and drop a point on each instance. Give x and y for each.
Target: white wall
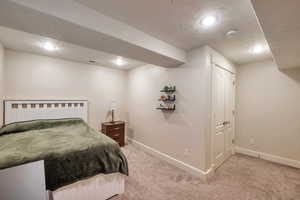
(172, 132)
(268, 109)
(29, 76)
(188, 128)
(1, 81)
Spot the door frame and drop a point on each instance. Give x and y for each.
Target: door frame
(213, 165)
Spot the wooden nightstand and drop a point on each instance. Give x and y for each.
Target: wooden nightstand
(115, 130)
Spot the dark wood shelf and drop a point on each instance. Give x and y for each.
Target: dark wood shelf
(168, 91)
(166, 109)
(168, 100)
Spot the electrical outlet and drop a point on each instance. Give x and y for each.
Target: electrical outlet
(252, 141)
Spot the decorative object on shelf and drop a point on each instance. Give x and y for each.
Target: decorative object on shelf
(169, 89)
(168, 99)
(168, 107)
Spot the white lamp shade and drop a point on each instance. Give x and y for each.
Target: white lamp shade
(113, 105)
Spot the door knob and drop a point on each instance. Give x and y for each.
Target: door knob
(226, 122)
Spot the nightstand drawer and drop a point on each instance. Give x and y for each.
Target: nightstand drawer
(115, 135)
(115, 128)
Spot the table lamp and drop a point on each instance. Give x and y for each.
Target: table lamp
(113, 107)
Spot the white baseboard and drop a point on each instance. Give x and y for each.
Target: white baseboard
(268, 157)
(247, 152)
(177, 163)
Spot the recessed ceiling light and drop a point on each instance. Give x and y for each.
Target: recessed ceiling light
(257, 49)
(119, 61)
(49, 46)
(208, 21)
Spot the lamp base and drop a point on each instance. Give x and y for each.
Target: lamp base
(112, 116)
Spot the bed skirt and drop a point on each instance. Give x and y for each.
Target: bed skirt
(99, 187)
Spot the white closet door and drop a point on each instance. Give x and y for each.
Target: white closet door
(223, 114)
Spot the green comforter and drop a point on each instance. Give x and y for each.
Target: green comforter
(70, 149)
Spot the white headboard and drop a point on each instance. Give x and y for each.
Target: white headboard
(24, 110)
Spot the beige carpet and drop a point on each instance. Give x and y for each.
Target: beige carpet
(240, 178)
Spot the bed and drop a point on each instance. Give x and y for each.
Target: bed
(79, 162)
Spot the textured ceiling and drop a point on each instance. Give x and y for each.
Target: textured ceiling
(177, 22)
(18, 40)
(73, 23)
(280, 23)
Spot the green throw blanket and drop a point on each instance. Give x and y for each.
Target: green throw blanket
(70, 149)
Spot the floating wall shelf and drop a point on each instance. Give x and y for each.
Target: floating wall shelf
(167, 109)
(168, 90)
(168, 99)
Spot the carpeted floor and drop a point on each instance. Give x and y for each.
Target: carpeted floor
(240, 178)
